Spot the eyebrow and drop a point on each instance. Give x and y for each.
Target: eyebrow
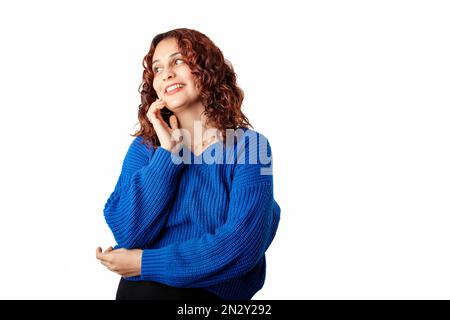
(169, 57)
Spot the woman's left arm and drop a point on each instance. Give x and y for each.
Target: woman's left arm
(231, 251)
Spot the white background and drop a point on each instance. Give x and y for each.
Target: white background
(352, 95)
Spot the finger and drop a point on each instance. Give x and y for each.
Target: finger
(98, 252)
(157, 104)
(154, 106)
(107, 264)
(173, 121)
(105, 257)
(154, 115)
(109, 249)
(177, 136)
(110, 268)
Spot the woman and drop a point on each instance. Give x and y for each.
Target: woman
(188, 228)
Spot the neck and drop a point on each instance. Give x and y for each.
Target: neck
(187, 115)
(192, 119)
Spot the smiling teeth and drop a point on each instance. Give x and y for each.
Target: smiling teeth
(174, 87)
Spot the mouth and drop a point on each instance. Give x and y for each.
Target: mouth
(174, 89)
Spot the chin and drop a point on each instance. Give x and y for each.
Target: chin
(172, 106)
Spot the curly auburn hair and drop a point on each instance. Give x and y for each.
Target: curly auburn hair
(214, 77)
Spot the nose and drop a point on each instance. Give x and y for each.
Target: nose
(167, 74)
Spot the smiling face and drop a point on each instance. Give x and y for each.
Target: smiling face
(170, 67)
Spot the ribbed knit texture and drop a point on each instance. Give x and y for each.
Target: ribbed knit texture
(201, 225)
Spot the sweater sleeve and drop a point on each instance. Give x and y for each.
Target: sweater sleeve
(135, 211)
(234, 248)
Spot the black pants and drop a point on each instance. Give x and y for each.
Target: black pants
(148, 290)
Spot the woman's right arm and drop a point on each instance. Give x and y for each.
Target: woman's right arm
(135, 211)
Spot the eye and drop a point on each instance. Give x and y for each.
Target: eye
(155, 69)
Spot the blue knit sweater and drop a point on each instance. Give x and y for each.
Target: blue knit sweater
(202, 221)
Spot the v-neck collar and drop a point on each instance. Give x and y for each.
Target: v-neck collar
(198, 159)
